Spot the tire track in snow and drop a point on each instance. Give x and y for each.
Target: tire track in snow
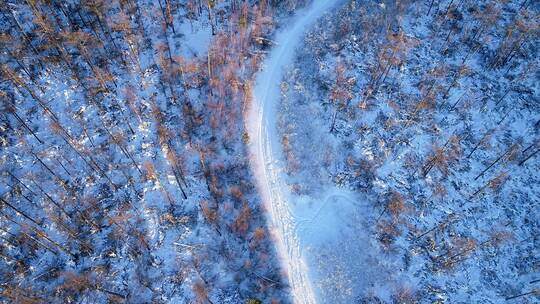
(266, 152)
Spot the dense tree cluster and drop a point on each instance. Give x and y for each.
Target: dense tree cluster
(124, 173)
(431, 110)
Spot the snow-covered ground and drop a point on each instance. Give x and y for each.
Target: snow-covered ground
(312, 232)
(395, 145)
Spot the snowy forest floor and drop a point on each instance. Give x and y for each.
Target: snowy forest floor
(124, 171)
(428, 115)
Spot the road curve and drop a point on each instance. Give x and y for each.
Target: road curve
(266, 151)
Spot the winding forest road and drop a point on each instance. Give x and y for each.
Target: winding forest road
(266, 150)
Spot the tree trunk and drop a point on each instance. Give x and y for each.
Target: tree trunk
(528, 157)
(493, 163)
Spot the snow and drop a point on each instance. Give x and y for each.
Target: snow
(379, 148)
(304, 225)
(195, 38)
(137, 186)
(150, 243)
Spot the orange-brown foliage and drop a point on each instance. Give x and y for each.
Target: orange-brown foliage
(209, 214)
(242, 221)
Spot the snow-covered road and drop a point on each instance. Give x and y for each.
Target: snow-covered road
(267, 155)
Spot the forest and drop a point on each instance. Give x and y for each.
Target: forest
(429, 112)
(124, 176)
(269, 151)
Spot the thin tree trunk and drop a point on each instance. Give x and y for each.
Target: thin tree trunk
(534, 291)
(19, 212)
(494, 162)
(14, 113)
(489, 132)
(528, 157)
